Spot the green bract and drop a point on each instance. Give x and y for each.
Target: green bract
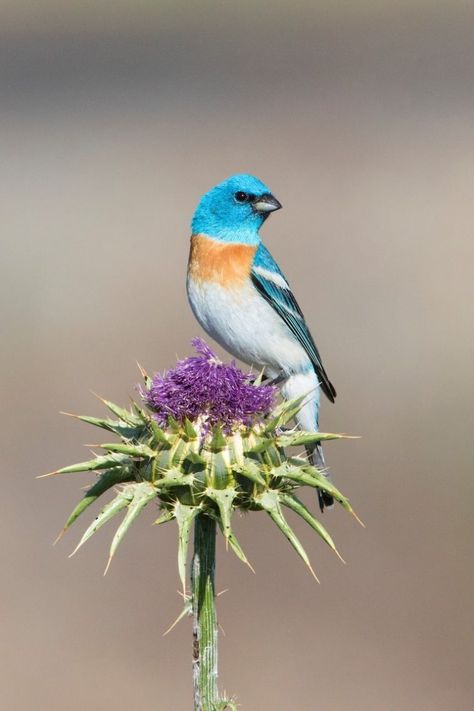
(188, 473)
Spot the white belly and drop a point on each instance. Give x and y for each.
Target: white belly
(243, 323)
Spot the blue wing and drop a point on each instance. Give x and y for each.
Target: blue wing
(272, 285)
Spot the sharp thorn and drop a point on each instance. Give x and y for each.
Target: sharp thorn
(60, 535)
(99, 397)
(172, 626)
(79, 545)
(69, 414)
(108, 565)
(43, 476)
(178, 619)
(314, 574)
(142, 370)
(358, 519)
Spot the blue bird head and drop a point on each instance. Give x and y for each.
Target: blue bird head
(234, 210)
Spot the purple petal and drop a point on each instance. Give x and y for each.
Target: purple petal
(203, 386)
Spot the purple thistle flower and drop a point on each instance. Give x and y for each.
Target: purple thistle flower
(203, 387)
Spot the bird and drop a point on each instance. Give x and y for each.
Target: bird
(241, 298)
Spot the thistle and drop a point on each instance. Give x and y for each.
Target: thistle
(205, 441)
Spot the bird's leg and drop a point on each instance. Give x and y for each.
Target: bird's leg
(276, 380)
(280, 378)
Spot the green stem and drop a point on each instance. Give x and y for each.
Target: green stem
(204, 615)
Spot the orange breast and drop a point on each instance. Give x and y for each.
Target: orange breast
(219, 262)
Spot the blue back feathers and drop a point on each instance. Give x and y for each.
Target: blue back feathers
(221, 216)
(264, 259)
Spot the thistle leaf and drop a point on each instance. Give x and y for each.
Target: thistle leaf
(110, 510)
(224, 498)
(309, 476)
(195, 458)
(131, 450)
(261, 445)
(218, 441)
(289, 413)
(220, 468)
(115, 426)
(293, 503)
(184, 515)
(251, 471)
(121, 412)
(106, 481)
(107, 461)
(237, 448)
(189, 430)
(179, 450)
(269, 501)
(159, 435)
(300, 438)
(140, 412)
(235, 545)
(284, 412)
(143, 493)
(164, 518)
(172, 478)
(323, 483)
(173, 424)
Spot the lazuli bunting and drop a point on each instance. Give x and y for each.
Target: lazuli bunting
(242, 299)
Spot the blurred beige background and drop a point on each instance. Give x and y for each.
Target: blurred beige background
(115, 118)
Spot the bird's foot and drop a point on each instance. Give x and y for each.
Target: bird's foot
(280, 378)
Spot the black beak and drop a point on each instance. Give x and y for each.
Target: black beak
(266, 203)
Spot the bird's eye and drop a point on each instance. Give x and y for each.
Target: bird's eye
(241, 197)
